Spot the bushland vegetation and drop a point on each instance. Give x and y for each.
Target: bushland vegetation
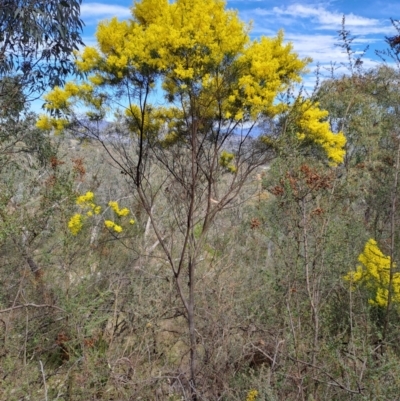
(239, 242)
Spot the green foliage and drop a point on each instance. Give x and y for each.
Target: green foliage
(37, 41)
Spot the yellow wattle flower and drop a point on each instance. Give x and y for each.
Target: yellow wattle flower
(313, 128)
(112, 226)
(252, 395)
(75, 223)
(87, 198)
(119, 212)
(374, 274)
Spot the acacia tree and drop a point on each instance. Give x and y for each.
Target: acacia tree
(217, 86)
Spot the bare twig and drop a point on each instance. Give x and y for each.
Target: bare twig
(335, 382)
(30, 305)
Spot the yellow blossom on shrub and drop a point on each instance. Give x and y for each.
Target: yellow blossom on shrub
(313, 128)
(44, 123)
(88, 197)
(47, 123)
(112, 226)
(225, 161)
(75, 224)
(117, 228)
(90, 58)
(87, 201)
(119, 212)
(58, 97)
(109, 224)
(374, 274)
(252, 395)
(89, 209)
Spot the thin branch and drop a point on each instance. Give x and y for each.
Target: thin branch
(335, 382)
(30, 305)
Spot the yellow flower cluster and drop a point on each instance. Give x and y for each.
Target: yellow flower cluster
(47, 123)
(75, 224)
(88, 197)
(269, 67)
(374, 274)
(89, 59)
(252, 395)
(312, 128)
(112, 226)
(85, 201)
(225, 161)
(149, 121)
(119, 212)
(62, 99)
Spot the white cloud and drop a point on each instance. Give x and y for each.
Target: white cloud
(323, 50)
(323, 16)
(313, 30)
(95, 11)
(331, 59)
(323, 19)
(325, 46)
